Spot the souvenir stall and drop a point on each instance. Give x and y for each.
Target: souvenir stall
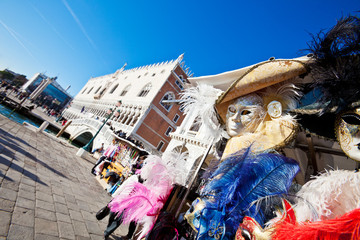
(116, 163)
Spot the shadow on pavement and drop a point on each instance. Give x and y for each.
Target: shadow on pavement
(2, 132)
(5, 177)
(21, 170)
(7, 143)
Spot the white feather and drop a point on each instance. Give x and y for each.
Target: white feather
(328, 195)
(176, 162)
(200, 101)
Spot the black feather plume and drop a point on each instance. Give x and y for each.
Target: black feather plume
(336, 65)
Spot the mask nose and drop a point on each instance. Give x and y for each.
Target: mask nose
(237, 118)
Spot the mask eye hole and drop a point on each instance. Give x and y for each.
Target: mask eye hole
(232, 109)
(245, 112)
(246, 235)
(191, 209)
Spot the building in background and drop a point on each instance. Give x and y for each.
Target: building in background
(12, 78)
(144, 117)
(53, 95)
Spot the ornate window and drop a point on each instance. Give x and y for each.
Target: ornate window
(179, 85)
(145, 90)
(90, 90)
(167, 96)
(195, 125)
(114, 88)
(182, 78)
(83, 91)
(102, 92)
(125, 90)
(97, 90)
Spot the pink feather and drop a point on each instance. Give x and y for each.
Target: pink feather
(142, 202)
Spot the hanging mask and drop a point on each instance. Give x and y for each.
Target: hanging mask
(193, 215)
(244, 115)
(348, 133)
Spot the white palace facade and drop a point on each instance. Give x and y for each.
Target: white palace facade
(142, 115)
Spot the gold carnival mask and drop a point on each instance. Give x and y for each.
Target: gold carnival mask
(348, 133)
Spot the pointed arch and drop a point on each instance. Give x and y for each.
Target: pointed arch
(146, 89)
(125, 90)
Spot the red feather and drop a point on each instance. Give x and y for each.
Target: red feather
(289, 215)
(345, 227)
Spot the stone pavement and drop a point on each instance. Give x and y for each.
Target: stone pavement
(46, 191)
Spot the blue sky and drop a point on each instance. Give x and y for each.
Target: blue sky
(79, 39)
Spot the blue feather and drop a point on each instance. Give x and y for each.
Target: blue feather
(243, 178)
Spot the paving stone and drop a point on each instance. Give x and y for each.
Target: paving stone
(45, 237)
(66, 230)
(43, 188)
(8, 194)
(59, 199)
(15, 175)
(83, 205)
(25, 203)
(61, 208)
(63, 217)
(72, 206)
(57, 190)
(29, 163)
(15, 169)
(90, 216)
(18, 232)
(75, 215)
(45, 205)
(46, 227)
(96, 237)
(25, 194)
(80, 229)
(23, 217)
(5, 218)
(6, 205)
(28, 181)
(13, 185)
(45, 214)
(95, 208)
(83, 238)
(44, 197)
(93, 227)
(70, 198)
(26, 187)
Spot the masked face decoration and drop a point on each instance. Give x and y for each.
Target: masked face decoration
(244, 115)
(249, 229)
(348, 133)
(193, 215)
(206, 221)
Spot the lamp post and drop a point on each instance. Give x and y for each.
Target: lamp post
(110, 112)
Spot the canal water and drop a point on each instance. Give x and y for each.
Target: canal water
(19, 118)
(15, 116)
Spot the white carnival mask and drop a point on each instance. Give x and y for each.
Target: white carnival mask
(244, 115)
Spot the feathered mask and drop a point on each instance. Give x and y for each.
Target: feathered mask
(240, 180)
(336, 64)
